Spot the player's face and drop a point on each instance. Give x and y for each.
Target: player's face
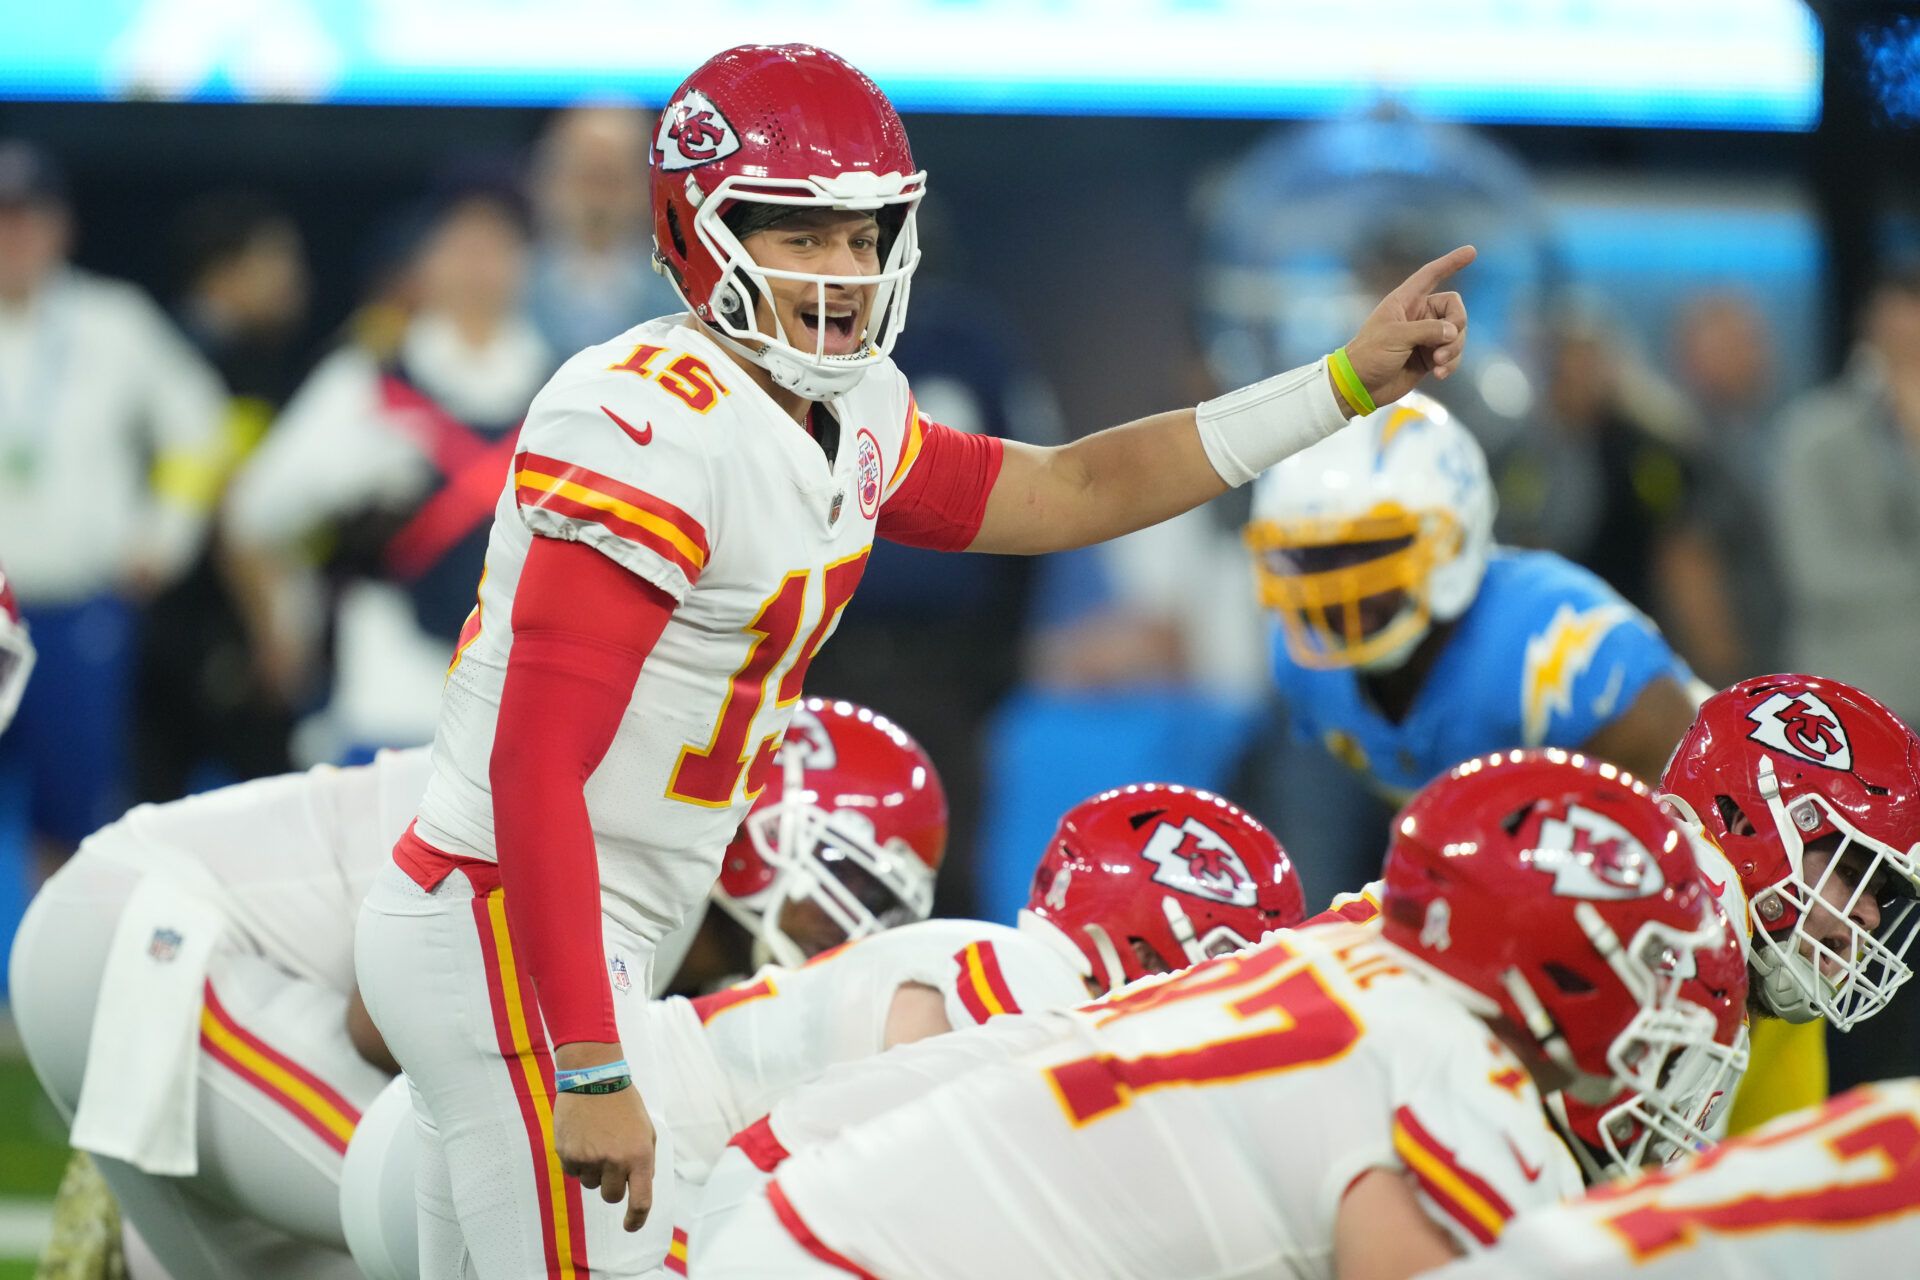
(1838, 901)
(819, 242)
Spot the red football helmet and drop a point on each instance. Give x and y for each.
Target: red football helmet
(1553, 891)
(782, 125)
(1777, 764)
(1633, 1131)
(16, 653)
(845, 839)
(1149, 878)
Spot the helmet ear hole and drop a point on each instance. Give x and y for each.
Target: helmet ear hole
(1567, 980)
(674, 230)
(1732, 817)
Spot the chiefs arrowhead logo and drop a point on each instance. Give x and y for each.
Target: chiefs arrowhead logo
(1591, 856)
(1804, 727)
(693, 133)
(808, 739)
(1194, 858)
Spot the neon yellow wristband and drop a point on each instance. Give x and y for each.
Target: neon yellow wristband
(1354, 390)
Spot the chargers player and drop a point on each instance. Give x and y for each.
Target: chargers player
(1172, 875)
(690, 512)
(1352, 1101)
(1833, 1191)
(1407, 640)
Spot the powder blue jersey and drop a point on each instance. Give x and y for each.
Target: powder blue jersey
(1546, 655)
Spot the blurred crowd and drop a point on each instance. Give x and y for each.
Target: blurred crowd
(243, 546)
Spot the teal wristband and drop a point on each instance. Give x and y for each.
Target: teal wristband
(608, 1077)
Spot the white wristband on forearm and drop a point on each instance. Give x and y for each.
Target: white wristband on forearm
(1246, 431)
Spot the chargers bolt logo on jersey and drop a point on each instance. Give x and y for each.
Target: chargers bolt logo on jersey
(693, 133)
(866, 474)
(1592, 856)
(1803, 727)
(1194, 858)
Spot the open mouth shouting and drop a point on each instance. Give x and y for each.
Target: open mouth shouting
(832, 329)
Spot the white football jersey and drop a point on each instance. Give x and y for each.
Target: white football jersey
(657, 451)
(1205, 1125)
(287, 859)
(730, 1055)
(1834, 1191)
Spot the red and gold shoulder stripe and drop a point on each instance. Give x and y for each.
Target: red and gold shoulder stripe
(635, 515)
(1455, 1190)
(677, 1252)
(982, 987)
(914, 435)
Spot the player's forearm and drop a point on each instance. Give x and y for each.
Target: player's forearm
(544, 836)
(1099, 487)
(1129, 477)
(582, 630)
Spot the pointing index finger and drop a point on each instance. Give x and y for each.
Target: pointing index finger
(1422, 282)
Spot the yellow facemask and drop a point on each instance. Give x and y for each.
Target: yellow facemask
(1350, 589)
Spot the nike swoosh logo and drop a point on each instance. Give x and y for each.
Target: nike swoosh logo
(1532, 1171)
(642, 437)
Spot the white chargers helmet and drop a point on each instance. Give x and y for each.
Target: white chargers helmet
(1360, 542)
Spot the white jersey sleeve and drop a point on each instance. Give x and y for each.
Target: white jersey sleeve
(618, 463)
(1829, 1192)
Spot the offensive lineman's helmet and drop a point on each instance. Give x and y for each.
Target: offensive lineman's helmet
(1551, 891)
(1778, 766)
(847, 835)
(795, 126)
(1150, 878)
(1362, 540)
(1631, 1131)
(16, 653)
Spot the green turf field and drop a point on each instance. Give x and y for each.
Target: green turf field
(33, 1152)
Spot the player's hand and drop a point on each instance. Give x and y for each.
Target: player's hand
(606, 1141)
(1413, 332)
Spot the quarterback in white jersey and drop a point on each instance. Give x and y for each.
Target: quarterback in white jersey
(690, 514)
(1834, 1191)
(184, 989)
(1352, 1098)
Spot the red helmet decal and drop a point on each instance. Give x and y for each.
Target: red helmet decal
(1592, 856)
(1193, 858)
(1803, 726)
(808, 738)
(693, 133)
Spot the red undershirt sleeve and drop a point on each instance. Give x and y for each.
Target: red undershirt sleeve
(582, 628)
(943, 499)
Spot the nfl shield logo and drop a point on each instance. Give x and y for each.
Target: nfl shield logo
(165, 945)
(833, 511)
(618, 968)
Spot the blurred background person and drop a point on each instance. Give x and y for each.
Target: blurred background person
(202, 716)
(372, 496)
(1733, 611)
(110, 458)
(1846, 507)
(592, 269)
